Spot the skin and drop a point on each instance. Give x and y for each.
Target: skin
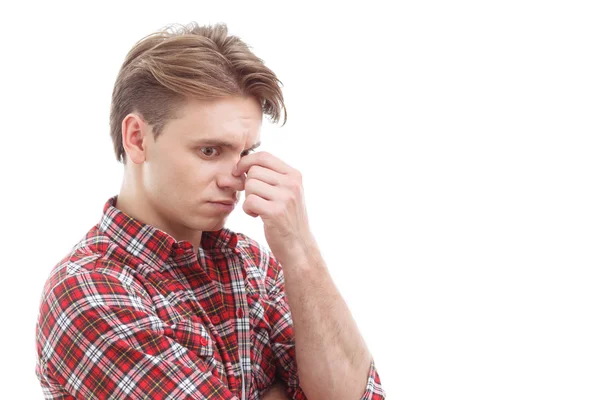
(275, 392)
(169, 183)
(333, 360)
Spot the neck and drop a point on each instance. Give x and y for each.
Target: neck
(135, 204)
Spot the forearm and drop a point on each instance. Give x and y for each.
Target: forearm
(333, 360)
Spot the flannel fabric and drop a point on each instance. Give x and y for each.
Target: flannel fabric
(132, 313)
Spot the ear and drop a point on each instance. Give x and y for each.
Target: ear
(133, 130)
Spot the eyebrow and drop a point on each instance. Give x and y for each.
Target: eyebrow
(222, 143)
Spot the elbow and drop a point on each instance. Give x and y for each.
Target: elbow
(346, 383)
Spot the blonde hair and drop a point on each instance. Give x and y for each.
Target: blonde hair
(191, 61)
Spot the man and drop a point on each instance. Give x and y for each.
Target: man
(159, 300)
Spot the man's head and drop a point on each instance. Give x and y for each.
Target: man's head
(176, 91)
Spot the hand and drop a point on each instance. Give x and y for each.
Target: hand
(276, 392)
(274, 192)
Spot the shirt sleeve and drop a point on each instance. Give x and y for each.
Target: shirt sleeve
(282, 342)
(99, 339)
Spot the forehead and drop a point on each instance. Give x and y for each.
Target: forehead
(236, 121)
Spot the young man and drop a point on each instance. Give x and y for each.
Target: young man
(159, 300)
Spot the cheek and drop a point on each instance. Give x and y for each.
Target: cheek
(174, 174)
(199, 175)
(185, 165)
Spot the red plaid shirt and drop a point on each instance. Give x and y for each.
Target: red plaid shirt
(133, 313)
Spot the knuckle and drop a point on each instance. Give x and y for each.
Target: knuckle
(279, 211)
(289, 197)
(296, 189)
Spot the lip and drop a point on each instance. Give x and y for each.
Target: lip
(223, 206)
(224, 202)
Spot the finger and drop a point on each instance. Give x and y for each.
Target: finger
(263, 159)
(256, 206)
(261, 189)
(264, 174)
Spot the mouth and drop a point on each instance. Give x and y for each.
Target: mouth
(223, 206)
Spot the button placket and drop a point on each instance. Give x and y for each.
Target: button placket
(241, 302)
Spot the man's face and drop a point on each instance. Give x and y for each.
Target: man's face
(185, 170)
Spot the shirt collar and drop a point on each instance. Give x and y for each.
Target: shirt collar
(152, 245)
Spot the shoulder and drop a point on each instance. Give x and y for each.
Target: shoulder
(89, 268)
(83, 289)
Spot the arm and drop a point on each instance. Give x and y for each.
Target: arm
(324, 352)
(102, 340)
(329, 357)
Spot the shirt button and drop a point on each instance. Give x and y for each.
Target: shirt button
(215, 319)
(240, 313)
(203, 341)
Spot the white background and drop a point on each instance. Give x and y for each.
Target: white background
(450, 154)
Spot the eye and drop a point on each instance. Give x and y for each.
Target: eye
(210, 148)
(211, 153)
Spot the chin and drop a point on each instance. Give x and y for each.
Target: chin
(208, 224)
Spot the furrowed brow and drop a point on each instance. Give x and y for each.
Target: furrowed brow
(223, 143)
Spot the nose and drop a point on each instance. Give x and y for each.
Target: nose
(227, 180)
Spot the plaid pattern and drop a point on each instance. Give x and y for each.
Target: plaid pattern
(131, 313)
